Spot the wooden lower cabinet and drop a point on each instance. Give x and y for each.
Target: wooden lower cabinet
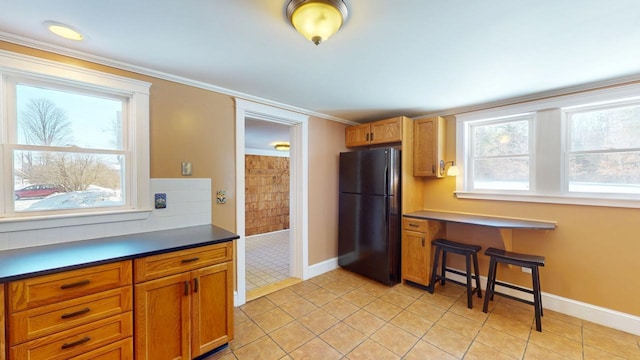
(3, 341)
(180, 305)
(119, 350)
(212, 318)
(71, 314)
(416, 249)
(162, 318)
(185, 315)
(77, 341)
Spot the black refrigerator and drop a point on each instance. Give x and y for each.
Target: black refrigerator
(369, 214)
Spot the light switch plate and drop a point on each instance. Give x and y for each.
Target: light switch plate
(186, 169)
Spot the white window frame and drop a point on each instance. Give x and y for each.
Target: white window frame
(137, 133)
(548, 159)
(529, 117)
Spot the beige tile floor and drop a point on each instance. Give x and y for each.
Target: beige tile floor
(340, 315)
(267, 259)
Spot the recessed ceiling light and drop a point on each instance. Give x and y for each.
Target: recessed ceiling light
(63, 30)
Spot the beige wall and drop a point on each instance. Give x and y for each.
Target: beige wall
(591, 257)
(326, 141)
(196, 125)
(187, 124)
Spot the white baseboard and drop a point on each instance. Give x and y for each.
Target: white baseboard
(595, 314)
(321, 268)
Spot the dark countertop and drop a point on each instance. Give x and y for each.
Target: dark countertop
(28, 262)
(475, 219)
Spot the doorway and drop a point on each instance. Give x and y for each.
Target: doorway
(267, 193)
(298, 130)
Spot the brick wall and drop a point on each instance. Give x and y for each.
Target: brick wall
(266, 194)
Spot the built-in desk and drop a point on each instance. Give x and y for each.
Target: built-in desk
(504, 225)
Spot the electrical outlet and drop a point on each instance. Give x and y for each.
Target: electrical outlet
(526, 270)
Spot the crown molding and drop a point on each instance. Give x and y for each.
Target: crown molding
(569, 90)
(60, 50)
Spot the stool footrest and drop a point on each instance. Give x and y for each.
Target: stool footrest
(514, 298)
(515, 287)
(440, 277)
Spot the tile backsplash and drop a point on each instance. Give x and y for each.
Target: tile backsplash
(188, 203)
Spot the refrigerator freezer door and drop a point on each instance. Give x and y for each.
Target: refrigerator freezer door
(365, 172)
(365, 245)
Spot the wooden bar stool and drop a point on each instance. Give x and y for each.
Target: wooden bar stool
(527, 261)
(470, 253)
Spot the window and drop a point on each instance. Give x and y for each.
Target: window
(499, 154)
(576, 149)
(72, 145)
(603, 154)
(70, 141)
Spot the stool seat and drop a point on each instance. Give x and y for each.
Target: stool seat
(456, 245)
(470, 252)
(523, 260)
(515, 258)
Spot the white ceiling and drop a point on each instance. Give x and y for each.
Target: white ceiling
(401, 57)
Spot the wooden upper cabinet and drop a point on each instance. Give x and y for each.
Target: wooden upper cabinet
(428, 146)
(357, 135)
(386, 131)
(377, 132)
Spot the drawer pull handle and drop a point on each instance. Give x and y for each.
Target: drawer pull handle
(186, 288)
(75, 343)
(195, 285)
(414, 225)
(75, 313)
(76, 284)
(185, 261)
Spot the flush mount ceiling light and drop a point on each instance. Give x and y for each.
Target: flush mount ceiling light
(63, 30)
(317, 20)
(281, 146)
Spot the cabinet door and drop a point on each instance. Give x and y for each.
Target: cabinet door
(212, 304)
(386, 131)
(427, 146)
(162, 318)
(357, 135)
(416, 250)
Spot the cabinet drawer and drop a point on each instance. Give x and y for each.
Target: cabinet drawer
(49, 289)
(46, 320)
(121, 350)
(77, 341)
(157, 266)
(414, 224)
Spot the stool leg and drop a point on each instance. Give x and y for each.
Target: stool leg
(444, 267)
(434, 270)
(488, 295)
(476, 269)
(467, 258)
(537, 303)
(493, 279)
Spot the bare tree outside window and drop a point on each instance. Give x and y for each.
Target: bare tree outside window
(43, 123)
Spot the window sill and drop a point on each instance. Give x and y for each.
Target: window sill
(54, 221)
(549, 199)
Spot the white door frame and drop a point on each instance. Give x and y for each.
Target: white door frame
(298, 203)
